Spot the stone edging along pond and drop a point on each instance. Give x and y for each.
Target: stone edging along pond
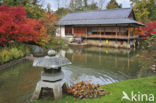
(15, 61)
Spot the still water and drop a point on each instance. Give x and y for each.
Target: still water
(99, 65)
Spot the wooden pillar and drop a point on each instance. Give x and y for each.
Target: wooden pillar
(128, 34)
(116, 34)
(100, 34)
(119, 31)
(86, 31)
(73, 30)
(116, 31)
(80, 32)
(104, 31)
(86, 34)
(133, 30)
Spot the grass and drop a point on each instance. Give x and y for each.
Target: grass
(142, 85)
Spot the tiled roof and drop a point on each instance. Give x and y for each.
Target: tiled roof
(111, 16)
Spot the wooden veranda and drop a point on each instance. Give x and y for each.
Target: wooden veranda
(103, 32)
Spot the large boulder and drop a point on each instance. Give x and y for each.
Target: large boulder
(37, 51)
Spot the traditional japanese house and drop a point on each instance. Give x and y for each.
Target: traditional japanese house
(113, 27)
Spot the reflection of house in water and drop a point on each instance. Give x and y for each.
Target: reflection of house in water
(101, 65)
(116, 60)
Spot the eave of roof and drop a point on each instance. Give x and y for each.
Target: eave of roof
(99, 22)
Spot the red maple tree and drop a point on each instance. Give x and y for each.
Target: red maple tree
(150, 28)
(15, 26)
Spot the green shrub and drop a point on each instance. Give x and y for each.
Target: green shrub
(21, 53)
(62, 42)
(23, 47)
(16, 53)
(54, 41)
(5, 56)
(154, 57)
(26, 51)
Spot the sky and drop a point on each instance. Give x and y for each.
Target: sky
(65, 3)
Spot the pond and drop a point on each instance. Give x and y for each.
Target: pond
(98, 65)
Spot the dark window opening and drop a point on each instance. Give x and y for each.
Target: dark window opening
(110, 33)
(68, 30)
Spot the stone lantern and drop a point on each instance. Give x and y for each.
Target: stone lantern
(52, 76)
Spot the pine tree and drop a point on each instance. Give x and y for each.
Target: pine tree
(113, 4)
(49, 8)
(101, 4)
(72, 5)
(82, 5)
(85, 3)
(78, 4)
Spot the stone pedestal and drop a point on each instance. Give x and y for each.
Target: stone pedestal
(52, 76)
(52, 79)
(55, 86)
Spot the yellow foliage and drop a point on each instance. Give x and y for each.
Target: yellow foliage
(44, 38)
(5, 55)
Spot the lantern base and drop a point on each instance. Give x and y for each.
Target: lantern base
(55, 86)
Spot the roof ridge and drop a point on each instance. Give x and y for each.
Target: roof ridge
(98, 10)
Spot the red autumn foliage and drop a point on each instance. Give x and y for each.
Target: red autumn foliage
(149, 29)
(144, 37)
(14, 25)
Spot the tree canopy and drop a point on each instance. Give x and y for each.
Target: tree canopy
(82, 5)
(113, 4)
(61, 12)
(15, 26)
(145, 10)
(33, 9)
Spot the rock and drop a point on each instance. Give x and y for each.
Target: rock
(30, 57)
(37, 51)
(51, 53)
(71, 40)
(153, 68)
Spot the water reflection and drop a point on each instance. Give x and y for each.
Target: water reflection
(18, 82)
(100, 65)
